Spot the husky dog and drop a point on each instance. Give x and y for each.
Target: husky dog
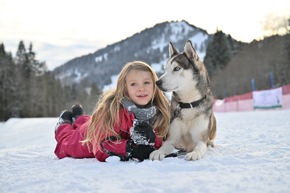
(193, 124)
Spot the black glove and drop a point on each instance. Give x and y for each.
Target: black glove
(142, 133)
(139, 152)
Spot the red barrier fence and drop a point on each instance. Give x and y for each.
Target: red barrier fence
(244, 102)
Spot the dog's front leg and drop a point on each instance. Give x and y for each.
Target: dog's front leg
(164, 150)
(198, 152)
(168, 145)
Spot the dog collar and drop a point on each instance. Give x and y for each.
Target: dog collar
(192, 104)
(185, 106)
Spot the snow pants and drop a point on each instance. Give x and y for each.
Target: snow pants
(69, 137)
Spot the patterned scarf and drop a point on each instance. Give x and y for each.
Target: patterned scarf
(146, 114)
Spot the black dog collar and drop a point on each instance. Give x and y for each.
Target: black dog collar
(192, 104)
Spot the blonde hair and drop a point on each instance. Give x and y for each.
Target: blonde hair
(106, 114)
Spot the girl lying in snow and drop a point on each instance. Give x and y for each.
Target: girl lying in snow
(122, 124)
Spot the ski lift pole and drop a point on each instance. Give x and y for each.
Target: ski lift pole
(253, 84)
(272, 83)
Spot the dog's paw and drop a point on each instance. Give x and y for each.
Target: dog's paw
(211, 143)
(157, 155)
(194, 155)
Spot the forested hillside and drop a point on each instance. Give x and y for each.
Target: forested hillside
(27, 89)
(258, 65)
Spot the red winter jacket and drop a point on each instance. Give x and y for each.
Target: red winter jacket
(69, 138)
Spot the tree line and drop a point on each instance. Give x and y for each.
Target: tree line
(236, 67)
(28, 89)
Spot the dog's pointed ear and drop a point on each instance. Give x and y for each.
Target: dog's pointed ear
(190, 51)
(172, 50)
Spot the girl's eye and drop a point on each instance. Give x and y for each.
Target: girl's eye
(132, 84)
(147, 82)
(176, 68)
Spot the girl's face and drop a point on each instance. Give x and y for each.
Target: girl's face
(139, 86)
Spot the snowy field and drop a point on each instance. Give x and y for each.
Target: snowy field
(252, 154)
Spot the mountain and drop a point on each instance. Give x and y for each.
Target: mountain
(231, 64)
(150, 46)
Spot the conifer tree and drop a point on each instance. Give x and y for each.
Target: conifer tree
(218, 52)
(8, 85)
(2, 50)
(21, 54)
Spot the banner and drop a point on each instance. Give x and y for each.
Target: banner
(268, 98)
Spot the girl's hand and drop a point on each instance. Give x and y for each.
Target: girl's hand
(142, 133)
(139, 152)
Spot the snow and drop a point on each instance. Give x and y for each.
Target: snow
(252, 154)
(113, 85)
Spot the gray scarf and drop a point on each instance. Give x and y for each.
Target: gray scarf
(141, 114)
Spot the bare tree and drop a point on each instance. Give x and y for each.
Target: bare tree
(276, 25)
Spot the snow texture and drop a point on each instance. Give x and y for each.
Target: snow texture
(252, 154)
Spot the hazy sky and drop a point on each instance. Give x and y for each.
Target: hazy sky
(64, 29)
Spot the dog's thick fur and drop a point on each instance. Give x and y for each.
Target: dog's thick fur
(193, 128)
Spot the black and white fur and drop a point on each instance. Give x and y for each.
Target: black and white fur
(193, 125)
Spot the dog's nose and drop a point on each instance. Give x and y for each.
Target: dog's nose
(159, 82)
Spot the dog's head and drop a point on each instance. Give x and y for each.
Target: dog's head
(182, 70)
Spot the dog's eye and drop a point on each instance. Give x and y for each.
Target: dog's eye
(176, 68)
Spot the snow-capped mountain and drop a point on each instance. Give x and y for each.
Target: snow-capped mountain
(150, 45)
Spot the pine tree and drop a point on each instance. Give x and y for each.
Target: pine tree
(219, 52)
(38, 68)
(2, 50)
(8, 86)
(21, 56)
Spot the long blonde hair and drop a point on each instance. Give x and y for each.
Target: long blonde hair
(106, 114)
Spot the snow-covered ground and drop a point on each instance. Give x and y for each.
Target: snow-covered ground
(252, 154)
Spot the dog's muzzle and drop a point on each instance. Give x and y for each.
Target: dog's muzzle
(159, 84)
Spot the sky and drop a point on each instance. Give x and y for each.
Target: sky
(61, 30)
(251, 154)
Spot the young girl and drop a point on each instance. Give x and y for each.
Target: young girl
(122, 124)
